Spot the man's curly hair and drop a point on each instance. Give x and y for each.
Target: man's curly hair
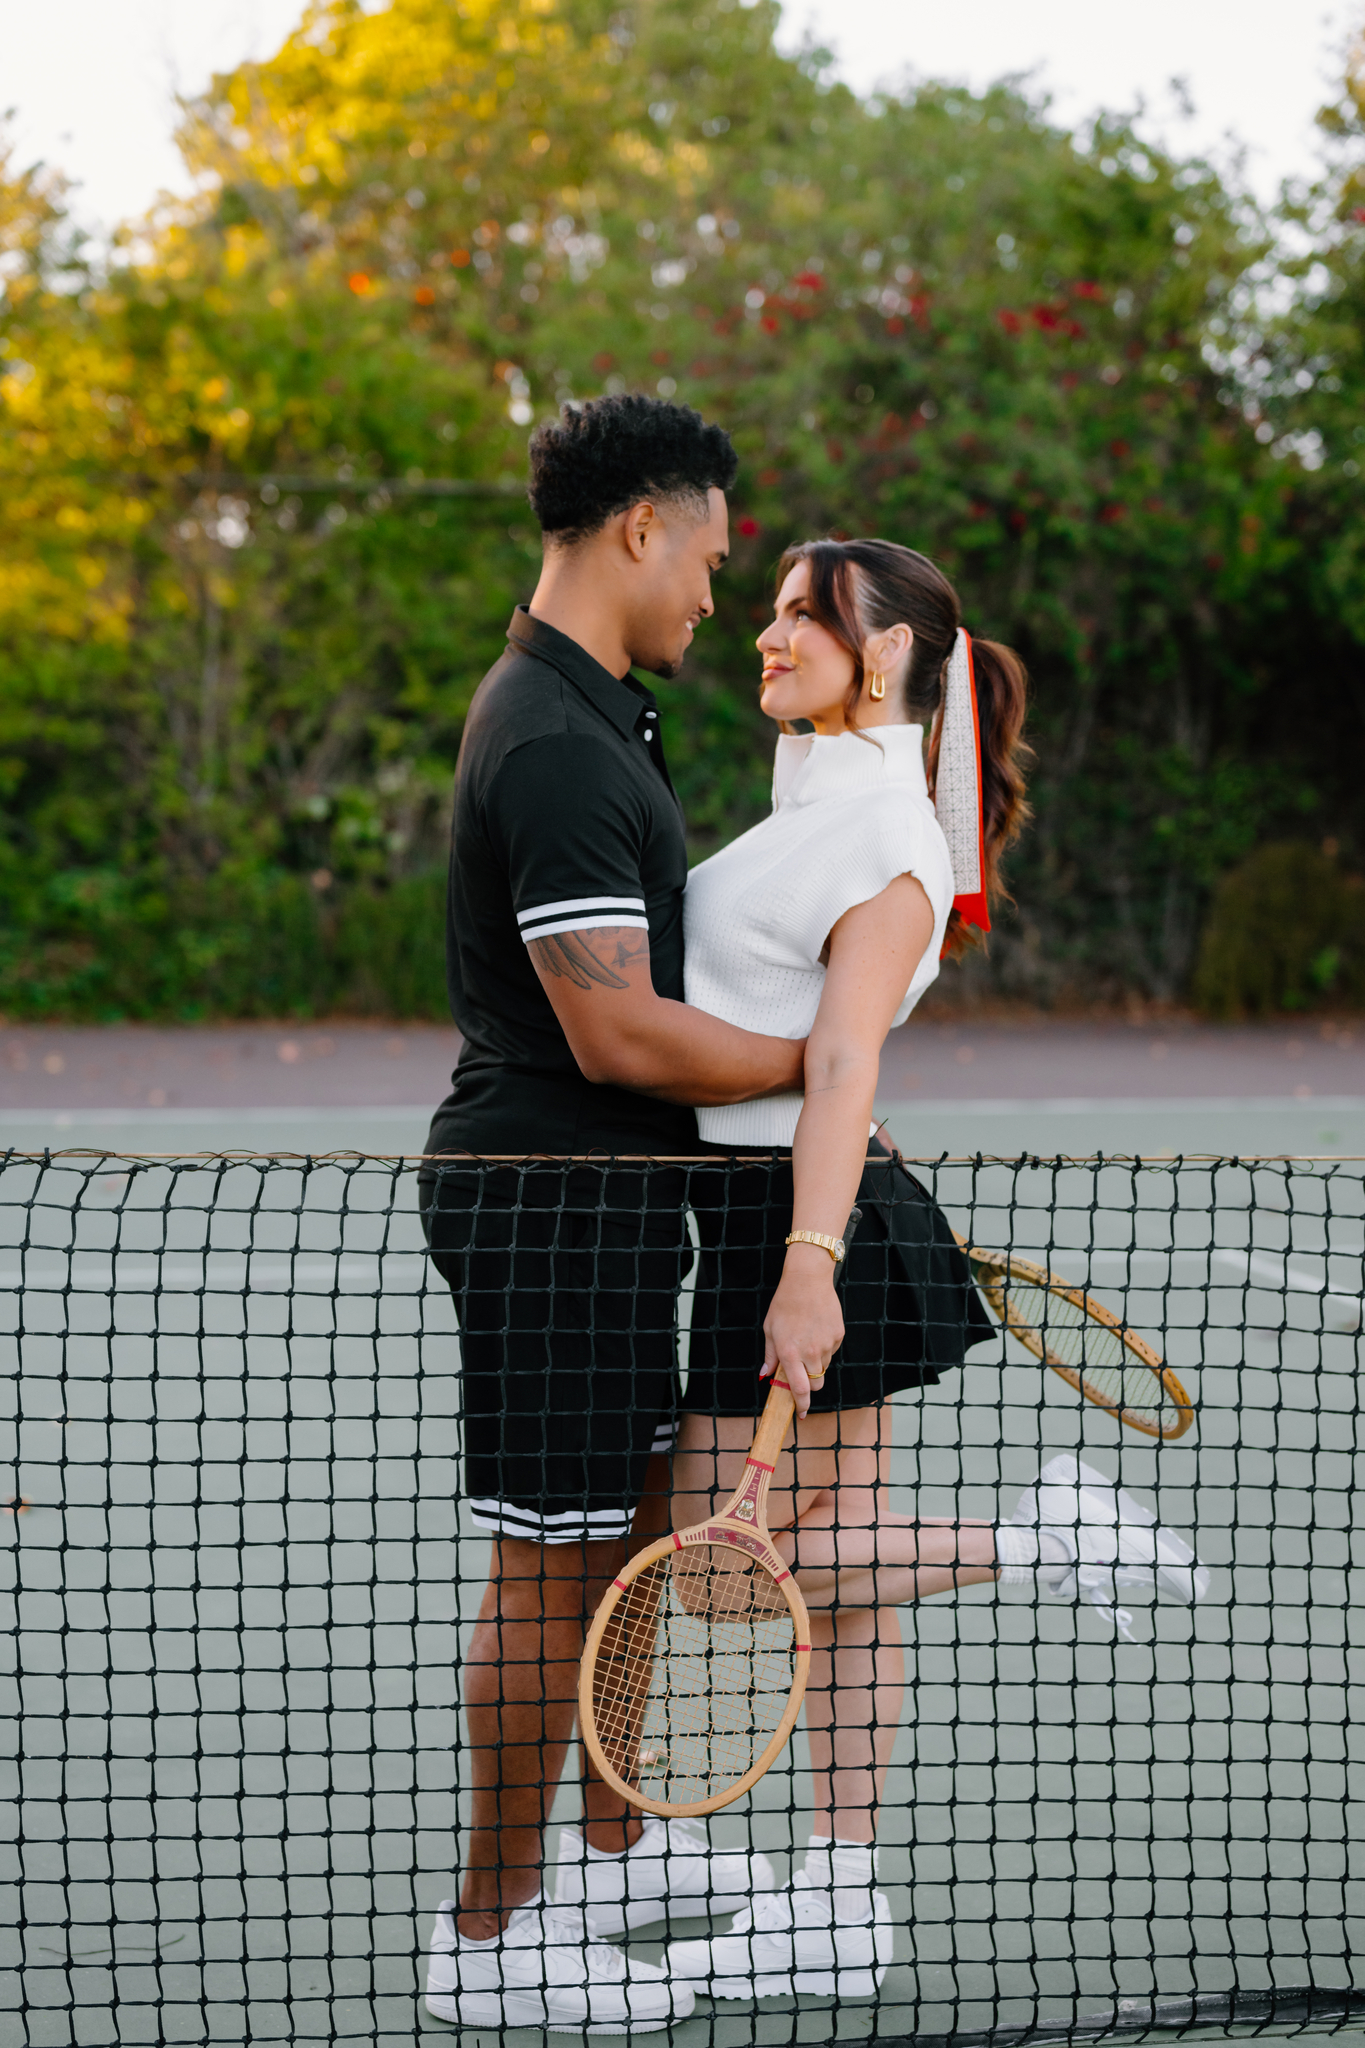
(598, 459)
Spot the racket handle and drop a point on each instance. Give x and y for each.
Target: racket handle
(773, 1424)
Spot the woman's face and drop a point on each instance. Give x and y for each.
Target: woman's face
(806, 671)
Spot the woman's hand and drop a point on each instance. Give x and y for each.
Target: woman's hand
(804, 1326)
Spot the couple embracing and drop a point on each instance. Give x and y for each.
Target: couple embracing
(614, 1005)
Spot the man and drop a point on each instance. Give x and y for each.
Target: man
(565, 952)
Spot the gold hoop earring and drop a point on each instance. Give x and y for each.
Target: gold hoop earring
(876, 689)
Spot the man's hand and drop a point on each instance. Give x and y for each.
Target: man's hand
(624, 1034)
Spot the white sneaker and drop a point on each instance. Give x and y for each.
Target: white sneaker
(1111, 1541)
(789, 1944)
(672, 1872)
(546, 1971)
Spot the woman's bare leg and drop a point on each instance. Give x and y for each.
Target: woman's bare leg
(827, 1510)
(856, 1562)
(847, 1559)
(853, 1714)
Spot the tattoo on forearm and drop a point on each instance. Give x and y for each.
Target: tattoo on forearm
(599, 958)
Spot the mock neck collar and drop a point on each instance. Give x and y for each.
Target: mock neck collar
(809, 767)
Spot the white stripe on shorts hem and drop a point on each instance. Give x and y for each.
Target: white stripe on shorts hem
(583, 923)
(665, 1437)
(543, 910)
(504, 1518)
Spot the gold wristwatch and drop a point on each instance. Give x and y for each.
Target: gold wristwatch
(833, 1245)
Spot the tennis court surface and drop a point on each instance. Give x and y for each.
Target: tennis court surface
(243, 1571)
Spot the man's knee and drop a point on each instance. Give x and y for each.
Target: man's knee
(554, 1579)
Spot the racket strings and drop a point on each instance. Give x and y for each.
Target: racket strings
(694, 1673)
(1093, 1354)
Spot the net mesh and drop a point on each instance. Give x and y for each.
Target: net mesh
(246, 1564)
(1102, 1360)
(694, 1673)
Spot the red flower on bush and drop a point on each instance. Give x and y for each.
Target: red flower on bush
(1011, 322)
(809, 282)
(748, 527)
(1053, 319)
(1086, 290)
(768, 324)
(359, 283)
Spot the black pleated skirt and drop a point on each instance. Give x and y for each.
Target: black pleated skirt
(911, 1311)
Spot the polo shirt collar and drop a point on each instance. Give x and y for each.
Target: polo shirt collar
(621, 699)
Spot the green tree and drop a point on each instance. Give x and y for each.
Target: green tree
(230, 706)
(1306, 374)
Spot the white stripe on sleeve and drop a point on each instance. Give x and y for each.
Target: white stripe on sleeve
(583, 924)
(543, 910)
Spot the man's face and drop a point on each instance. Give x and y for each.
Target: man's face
(673, 592)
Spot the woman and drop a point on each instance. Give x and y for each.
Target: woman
(829, 918)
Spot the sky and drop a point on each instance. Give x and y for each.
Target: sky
(93, 82)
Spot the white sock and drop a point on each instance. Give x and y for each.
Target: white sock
(848, 1869)
(1016, 1553)
(1023, 1550)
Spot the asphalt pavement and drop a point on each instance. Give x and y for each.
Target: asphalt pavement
(66, 1068)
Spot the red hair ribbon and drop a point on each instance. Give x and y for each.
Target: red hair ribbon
(957, 786)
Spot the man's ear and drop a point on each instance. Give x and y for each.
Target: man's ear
(639, 526)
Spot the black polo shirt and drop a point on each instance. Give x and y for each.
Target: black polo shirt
(564, 818)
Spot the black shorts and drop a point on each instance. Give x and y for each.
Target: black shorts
(910, 1309)
(566, 1285)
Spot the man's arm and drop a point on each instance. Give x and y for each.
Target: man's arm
(622, 1032)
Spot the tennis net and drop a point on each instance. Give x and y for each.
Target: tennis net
(241, 1571)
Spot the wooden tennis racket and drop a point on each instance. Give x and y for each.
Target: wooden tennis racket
(696, 1662)
(1090, 1348)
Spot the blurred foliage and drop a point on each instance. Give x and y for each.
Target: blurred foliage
(1286, 931)
(230, 705)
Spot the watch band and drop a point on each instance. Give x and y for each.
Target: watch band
(833, 1245)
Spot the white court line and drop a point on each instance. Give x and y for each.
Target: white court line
(993, 1105)
(1124, 1105)
(227, 1272)
(1344, 1310)
(102, 1119)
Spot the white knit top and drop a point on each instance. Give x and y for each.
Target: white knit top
(849, 815)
